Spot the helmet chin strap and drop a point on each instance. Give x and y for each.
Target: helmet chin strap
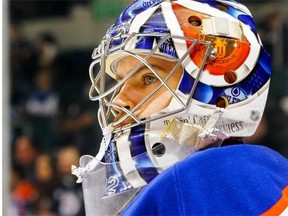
(80, 172)
(195, 135)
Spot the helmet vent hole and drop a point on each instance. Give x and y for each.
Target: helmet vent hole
(222, 102)
(194, 21)
(158, 149)
(230, 76)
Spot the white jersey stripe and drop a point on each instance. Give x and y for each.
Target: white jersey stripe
(285, 212)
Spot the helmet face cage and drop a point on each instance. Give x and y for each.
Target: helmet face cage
(105, 96)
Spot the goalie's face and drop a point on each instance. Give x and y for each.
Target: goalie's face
(143, 93)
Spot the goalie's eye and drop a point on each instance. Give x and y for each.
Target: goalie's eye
(149, 79)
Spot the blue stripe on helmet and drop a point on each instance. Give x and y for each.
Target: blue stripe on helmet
(143, 163)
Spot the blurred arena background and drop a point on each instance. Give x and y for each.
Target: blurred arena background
(48, 119)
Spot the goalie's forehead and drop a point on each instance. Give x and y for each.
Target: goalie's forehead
(118, 62)
(127, 64)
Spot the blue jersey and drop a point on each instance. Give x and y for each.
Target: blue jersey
(232, 180)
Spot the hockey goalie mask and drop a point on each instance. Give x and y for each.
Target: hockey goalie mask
(173, 77)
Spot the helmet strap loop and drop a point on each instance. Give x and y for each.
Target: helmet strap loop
(195, 135)
(80, 172)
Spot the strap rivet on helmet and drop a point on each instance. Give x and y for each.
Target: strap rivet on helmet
(230, 76)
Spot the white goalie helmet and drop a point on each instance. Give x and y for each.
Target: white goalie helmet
(175, 77)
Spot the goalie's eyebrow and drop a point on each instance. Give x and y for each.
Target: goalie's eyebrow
(143, 67)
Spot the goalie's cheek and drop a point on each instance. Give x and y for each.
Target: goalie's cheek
(155, 104)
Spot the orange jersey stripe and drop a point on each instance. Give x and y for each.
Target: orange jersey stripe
(280, 205)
